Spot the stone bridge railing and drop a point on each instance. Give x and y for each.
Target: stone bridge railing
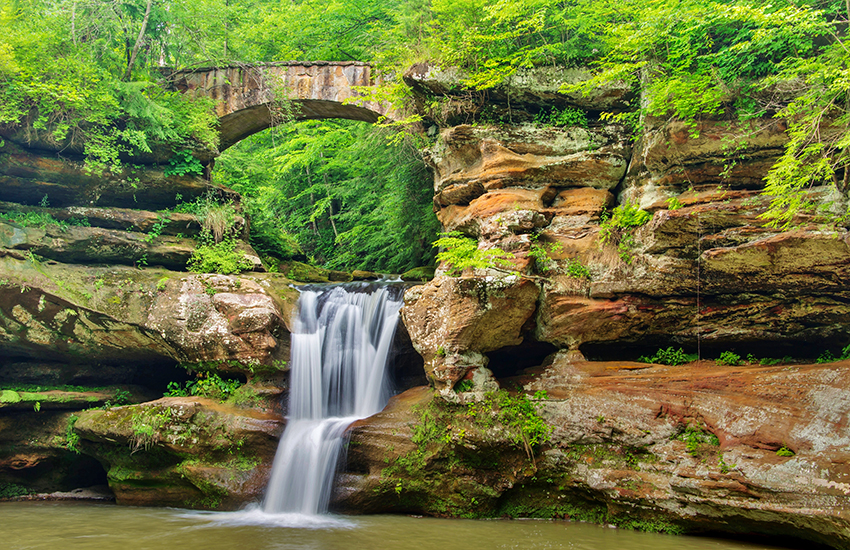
(250, 97)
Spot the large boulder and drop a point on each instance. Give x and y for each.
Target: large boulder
(453, 321)
(121, 315)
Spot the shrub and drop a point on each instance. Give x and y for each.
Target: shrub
(182, 163)
(695, 437)
(669, 356)
(617, 229)
(221, 257)
(206, 385)
(568, 116)
(828, 357)
(577, 270)
(728, 358)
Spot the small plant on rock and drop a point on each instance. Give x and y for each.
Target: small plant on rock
(205, 385)
(696, 437)
(785, 451)
(460, 252)
(577, 270)
(463, 386)
(828, 357)
(728, 358)
(541, 254)
(568, 116)
(221, 257)
(618, 228)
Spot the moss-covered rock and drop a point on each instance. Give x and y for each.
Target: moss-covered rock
(123, 315)
(182, 451)
(419, 274)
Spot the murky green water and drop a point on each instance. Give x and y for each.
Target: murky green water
(29, 525)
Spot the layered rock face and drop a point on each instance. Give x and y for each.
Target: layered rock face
(703, 271)
(679, 449)
(97, 309)
(696, 448)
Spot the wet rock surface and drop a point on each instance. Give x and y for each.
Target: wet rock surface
(694, 448)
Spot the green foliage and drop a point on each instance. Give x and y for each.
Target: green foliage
(183, 163)
(146, 424)
(12, 490)
(618, 228)
(72, 439)
(728, 358)
(753, 360)
(673, 203)
(785, 451)
(568, 116)
(66, 71)
(518, 414)
(818, 151)
(828, 357)
(669, 356)
(335, 191)
(459, 252)
(541, 254)
(42, 220)
(696, 439)
(205, 385)
(463, 386)
(577, 270)
(121, 397)
(625, 216)
(221, 257)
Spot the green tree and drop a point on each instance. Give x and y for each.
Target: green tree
(350, 199)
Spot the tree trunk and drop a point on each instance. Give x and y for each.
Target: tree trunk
(139, 39)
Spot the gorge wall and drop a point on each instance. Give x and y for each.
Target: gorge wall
(690, 448)
(753, 448)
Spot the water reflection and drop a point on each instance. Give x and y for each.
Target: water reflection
(27, 525)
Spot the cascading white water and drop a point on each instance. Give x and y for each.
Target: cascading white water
(340, 347)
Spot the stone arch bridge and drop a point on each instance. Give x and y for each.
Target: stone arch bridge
(246, 94)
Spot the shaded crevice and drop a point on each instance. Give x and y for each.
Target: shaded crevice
(153, 376)
(512, 360)
(407, 368)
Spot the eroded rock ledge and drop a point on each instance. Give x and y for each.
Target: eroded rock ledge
(683, 449)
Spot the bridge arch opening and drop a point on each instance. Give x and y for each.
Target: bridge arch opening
(335, 193)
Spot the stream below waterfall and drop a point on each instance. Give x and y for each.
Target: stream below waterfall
(83, 526)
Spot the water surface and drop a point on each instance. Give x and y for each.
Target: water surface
(76, 526)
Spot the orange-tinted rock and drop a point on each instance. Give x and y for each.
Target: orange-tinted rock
(528, 156)
(620, 450)
(581, 201)
(453, 321)
(516, 210)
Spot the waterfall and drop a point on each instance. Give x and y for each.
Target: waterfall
(340, 347)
